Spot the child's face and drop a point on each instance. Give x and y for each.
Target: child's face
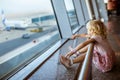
(88, 30)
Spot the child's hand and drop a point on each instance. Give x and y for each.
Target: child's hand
(73, 36)
(67, 55)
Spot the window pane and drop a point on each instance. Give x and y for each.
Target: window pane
(71, 13)
(27, 28)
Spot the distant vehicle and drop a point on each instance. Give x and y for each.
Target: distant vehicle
(26, 36)
(36, 30)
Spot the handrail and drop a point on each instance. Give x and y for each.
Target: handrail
(86, 69)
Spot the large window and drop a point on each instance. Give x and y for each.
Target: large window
(71, 13)
(27, 29)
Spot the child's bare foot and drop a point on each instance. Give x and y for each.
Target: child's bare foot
(65, 61)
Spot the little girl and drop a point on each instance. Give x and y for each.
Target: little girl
(103, 55)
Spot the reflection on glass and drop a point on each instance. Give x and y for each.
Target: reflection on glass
(71, 13)
(27, 28)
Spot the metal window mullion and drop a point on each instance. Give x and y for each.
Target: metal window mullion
(62, 18)
(79, 12)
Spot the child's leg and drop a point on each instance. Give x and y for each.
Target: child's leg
(70, 53)
(67, 62)
(79, 59)
(82, 50)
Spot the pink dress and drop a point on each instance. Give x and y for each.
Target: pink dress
(103, 55)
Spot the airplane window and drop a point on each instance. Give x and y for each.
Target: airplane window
(71, 13)
(27, 28)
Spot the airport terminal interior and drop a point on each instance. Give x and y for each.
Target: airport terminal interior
(35, 33)
(58, 72)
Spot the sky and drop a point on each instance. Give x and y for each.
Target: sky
(17, 7)
(23, 8)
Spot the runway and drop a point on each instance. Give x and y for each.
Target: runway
(13, 39)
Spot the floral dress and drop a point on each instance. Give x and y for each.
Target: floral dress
(103, 55)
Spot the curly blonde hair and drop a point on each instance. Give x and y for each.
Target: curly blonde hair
(97, 27)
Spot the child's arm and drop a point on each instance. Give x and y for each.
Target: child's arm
(79, 35)
(80, 46)
(83, 50)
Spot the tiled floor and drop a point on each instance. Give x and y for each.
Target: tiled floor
(53, 70)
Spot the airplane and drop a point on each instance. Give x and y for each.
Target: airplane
(12, 24)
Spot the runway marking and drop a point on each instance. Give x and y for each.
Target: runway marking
(24, 48)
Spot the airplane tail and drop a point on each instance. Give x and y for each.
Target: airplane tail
(3, 18)
(4, 26)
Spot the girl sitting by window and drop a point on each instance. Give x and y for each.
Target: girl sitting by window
(103, 55)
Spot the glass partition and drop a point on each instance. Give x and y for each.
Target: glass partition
(27, 29)
(71, 13)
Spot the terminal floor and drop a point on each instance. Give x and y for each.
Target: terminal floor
(53, 70)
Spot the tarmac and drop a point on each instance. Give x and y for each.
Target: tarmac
(12, 34)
